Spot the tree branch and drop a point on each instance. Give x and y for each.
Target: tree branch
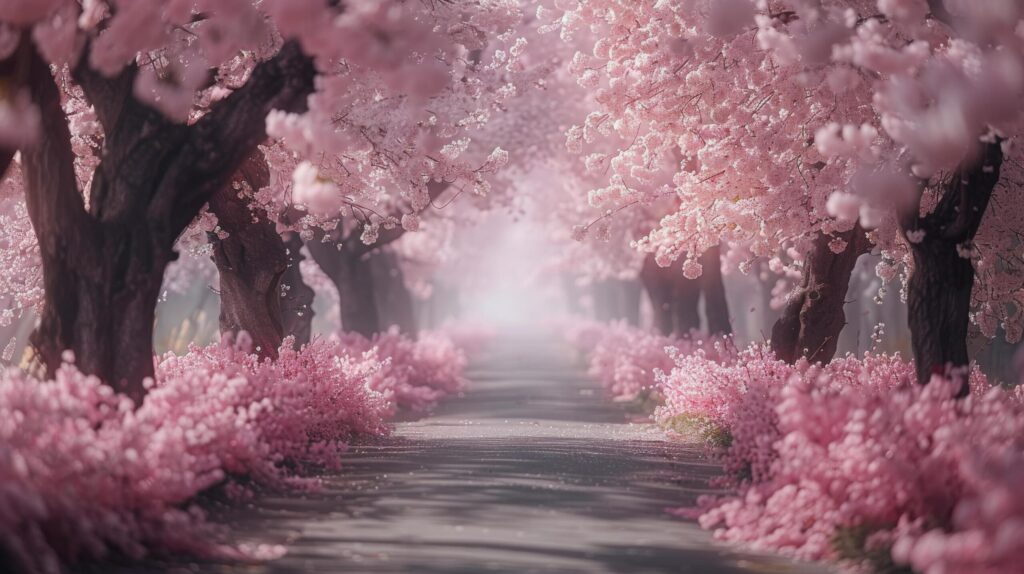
(965, 197)
(966, 200)
(216, 145)
(54, 203)
(387, 236)
(108, 96)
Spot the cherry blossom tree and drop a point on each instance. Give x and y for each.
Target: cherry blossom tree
(173, 98)
(942, 80)
(594, 240)
(392, 156)
(810, 133)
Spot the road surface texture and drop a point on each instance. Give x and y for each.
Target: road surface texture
(532, 471)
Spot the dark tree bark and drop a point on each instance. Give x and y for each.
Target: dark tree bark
(685, 303)
(716, 306)
(658, 284)
(939, 289)
(674, 298)
(346, 261)
(813, 317)
(394, 301)
(349, 270)
(251, 261)
(297, 297)
(103, 266)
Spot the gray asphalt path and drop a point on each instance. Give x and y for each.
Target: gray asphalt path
(531, 471)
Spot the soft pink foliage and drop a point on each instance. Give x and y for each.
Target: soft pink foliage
(855, 453)
(402, 89)
(86, 475)
(415, 374)
(627, 360)
(732, 393)
(766, 110)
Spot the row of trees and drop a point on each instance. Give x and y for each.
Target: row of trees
(267, 125)
(810, 134)
(804, 134)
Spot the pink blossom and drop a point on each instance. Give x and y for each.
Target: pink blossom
(87, 475)
(316, 194)
(415, 374)
(842, 461)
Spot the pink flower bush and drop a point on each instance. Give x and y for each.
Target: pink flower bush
(414, 375)
(85, 475)
(853, 462)
(626, 360)
(728, 402)
(309, 402)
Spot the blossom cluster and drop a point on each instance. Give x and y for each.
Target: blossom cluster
(414, 374)
(853, 462)
(402, 90)
(628, 360)
(784, 120)
(87, 475)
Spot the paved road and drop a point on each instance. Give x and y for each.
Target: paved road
(531, 471)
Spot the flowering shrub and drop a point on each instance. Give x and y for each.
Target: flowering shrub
(626, 360)
(852, 461)
(86, 475)
(414, 375)
(727, 401)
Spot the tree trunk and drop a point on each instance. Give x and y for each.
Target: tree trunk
(394, 301)
(352, 276)
(685, 302)
(939, 289)
(103, 308)
(103, 263)
(251, 261)
(101, 281)
(813, 317)
(716, 306)
(356, 297)
(659, 289)
(346, 261)
(296, 297)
